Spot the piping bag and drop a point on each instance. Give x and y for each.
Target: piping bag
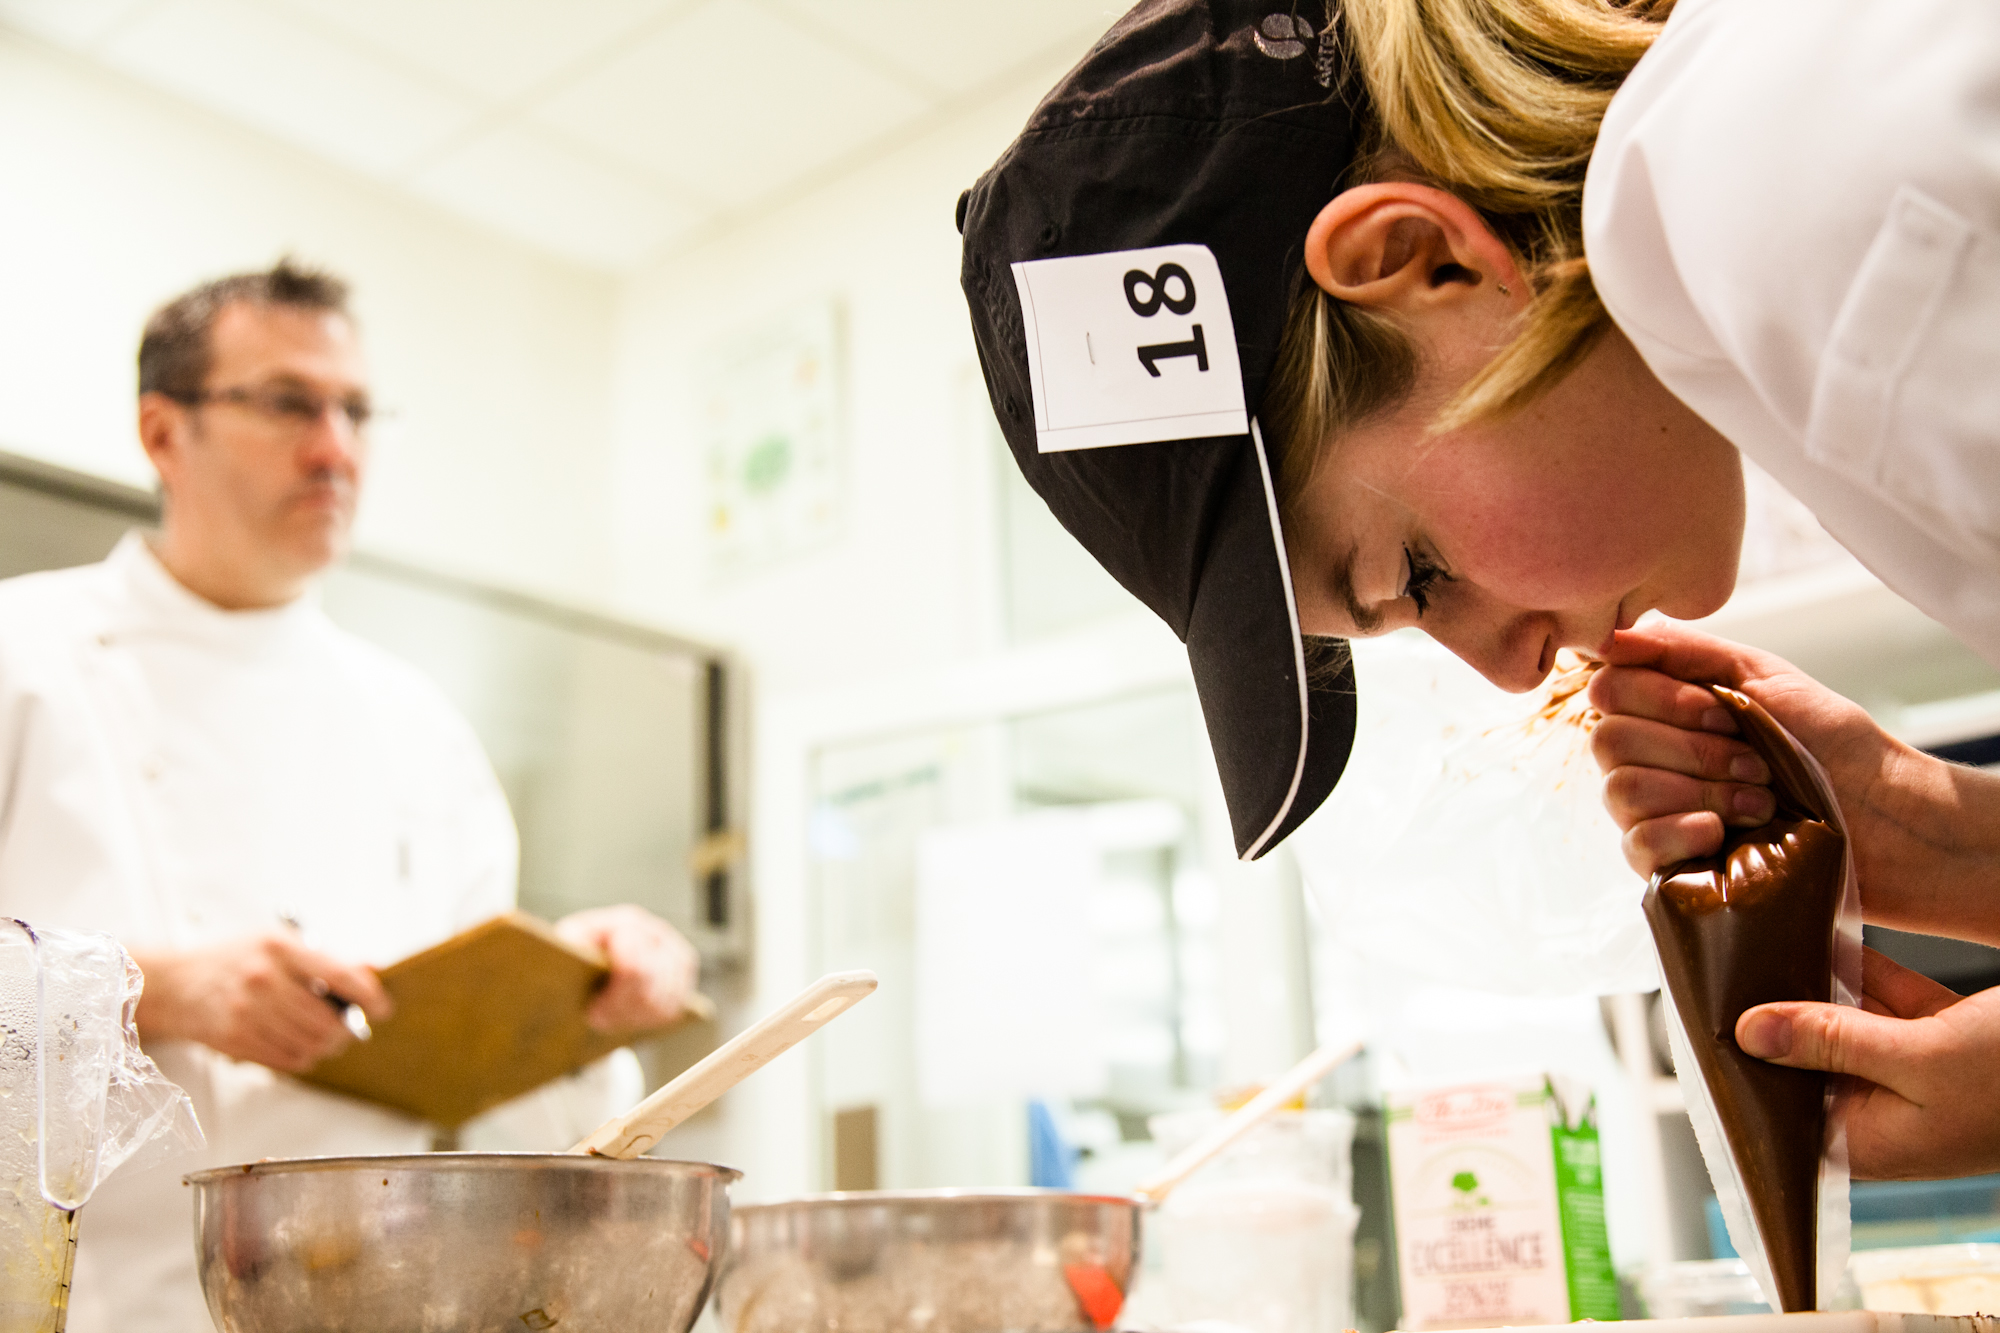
(78, 1096)
(1775, 915)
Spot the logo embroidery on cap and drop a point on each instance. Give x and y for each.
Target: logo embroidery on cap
(1285, 37)
(1282, 36)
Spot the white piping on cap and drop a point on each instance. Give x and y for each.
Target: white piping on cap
(1298, 646)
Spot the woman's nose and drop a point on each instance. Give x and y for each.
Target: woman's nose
(1507, 650)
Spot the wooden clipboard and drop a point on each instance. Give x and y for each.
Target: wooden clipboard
(491, 1013)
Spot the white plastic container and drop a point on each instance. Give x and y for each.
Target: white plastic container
(1260, 1239)
(1698, 1288)
(1930, 1279)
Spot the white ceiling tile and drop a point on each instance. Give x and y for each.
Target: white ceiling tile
(72, 23)
(262, 67)
(538, 190)
(954, 47)
(495, 48)
(732, 101)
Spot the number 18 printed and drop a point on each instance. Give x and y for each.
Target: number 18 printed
(1130, 347)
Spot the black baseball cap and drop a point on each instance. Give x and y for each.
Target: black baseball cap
(1195, 144)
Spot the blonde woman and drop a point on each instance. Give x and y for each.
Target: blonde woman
(1323, 320)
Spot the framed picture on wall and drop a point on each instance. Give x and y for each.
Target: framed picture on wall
(771, 416)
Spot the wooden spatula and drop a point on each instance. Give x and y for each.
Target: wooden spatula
(811, 1009)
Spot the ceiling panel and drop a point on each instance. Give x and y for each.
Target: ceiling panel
(71, 23)
(525, 184)
(599, 130)
(497, 49)
(255, 63)
(952, 47)
(733, 102)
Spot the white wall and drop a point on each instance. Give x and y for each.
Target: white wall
(902, 587)
(892, 626)
(114, 198)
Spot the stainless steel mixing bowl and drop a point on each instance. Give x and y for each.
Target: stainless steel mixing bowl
(460, 1243)
(946, 1261)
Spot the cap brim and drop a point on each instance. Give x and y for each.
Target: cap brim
(1251, 668)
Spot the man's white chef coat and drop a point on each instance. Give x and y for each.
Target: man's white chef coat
(177, 775)
(1794, 213)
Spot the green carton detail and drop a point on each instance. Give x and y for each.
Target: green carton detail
(1593, 1285)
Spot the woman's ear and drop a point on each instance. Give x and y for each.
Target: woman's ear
(1405, 248)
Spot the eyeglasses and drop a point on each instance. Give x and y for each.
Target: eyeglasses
(296, 410)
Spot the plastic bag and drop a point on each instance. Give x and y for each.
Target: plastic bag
(1726, 969)
(1469, 840)
(79, 1096)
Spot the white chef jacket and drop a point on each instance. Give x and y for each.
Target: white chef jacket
(178, 775)
(1793, 211)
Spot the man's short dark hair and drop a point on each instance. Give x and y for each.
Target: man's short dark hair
(174, 352)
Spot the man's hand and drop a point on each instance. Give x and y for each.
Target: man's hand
(653, 969)
(1929, 1106)
(1925, 834)
(262, 999)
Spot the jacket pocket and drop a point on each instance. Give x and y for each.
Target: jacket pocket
(1875, 414)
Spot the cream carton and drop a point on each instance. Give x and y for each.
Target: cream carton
(1499, 1205)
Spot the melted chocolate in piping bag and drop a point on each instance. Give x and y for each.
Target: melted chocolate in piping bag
(1760, 922)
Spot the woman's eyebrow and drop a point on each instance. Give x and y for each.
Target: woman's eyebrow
(1366, 619)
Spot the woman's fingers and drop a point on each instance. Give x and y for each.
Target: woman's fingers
(1675, 774)
(1635, 796)
(1688, 654)
(1669, 817)
(1900, 992)
(1643, 692)
(1671, 839)
(1674, 791)
(1625, 742)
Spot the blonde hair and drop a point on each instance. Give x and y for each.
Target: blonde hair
(1497, 102)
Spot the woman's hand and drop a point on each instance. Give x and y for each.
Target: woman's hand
(1925, 834)
(1924, 1104)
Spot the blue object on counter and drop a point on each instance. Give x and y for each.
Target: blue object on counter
(1051, 1157)
(1718, 1234)
(1910, 1200)
(1894, 1213)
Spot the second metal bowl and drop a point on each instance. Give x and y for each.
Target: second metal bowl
(945, 1261)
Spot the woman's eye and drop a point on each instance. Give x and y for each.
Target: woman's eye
(1419, 577)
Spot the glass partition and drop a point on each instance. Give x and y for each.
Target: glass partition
(611, 739)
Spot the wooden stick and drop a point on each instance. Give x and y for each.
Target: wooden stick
(1245, 1118)
(644, 1125)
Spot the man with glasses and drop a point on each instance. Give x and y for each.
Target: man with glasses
(194, 759)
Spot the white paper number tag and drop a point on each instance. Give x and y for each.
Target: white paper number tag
(1130, 347)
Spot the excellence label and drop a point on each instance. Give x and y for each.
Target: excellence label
(1499, 1208)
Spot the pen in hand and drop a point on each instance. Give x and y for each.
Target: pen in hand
(351, 1015)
